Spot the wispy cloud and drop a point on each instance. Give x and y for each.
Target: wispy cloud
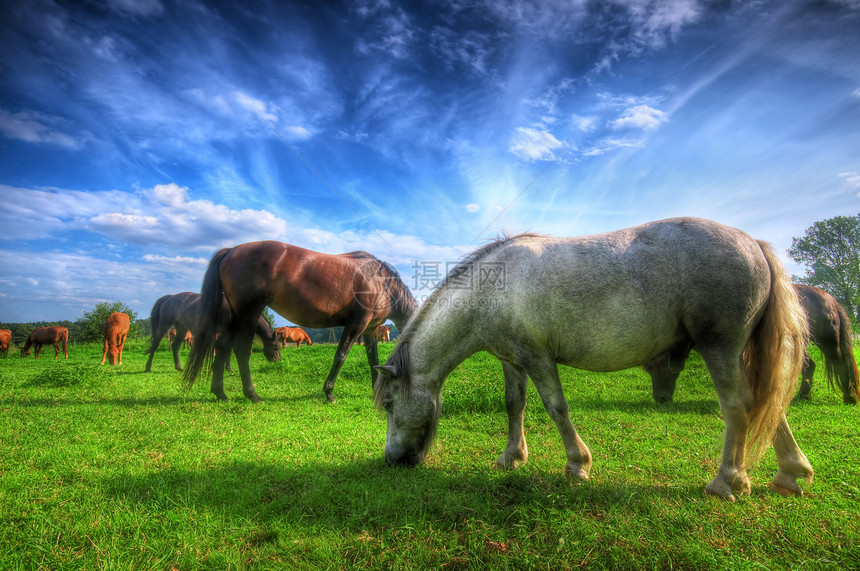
(534, 145)
(640, 117)
(40, 128)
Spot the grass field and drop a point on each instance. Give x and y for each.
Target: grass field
(112, 468)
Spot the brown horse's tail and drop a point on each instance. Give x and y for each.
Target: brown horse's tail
(155, 324)
(849, 385)
(64, 338)
(773, 356)
(209, 314)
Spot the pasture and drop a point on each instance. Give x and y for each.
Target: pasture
(113, 468)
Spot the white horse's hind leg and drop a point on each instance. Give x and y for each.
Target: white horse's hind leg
(735, 403)
(516, 452)
(793, 464)
(544, 374)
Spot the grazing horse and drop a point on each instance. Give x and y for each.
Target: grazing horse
(45, 335)
(829, 329)
(185, 342)
(180, 311)
(354, 290)
(383, 334)
(603, 303)
(5, 341)
(295, 335)
(116, 330)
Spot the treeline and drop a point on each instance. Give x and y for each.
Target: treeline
(332, 334)
(88, 330)
(79, 331)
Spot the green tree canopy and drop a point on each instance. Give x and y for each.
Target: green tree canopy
(831, 250)
(91, 325)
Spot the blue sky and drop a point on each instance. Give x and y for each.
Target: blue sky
(139, 136)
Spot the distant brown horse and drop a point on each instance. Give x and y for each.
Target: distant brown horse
(829, 330)
(354, 290)
(383, 334)
(47, 335)
(295, 335)
(185, 342)
(5, 340)
(116, 331)
(180, 311)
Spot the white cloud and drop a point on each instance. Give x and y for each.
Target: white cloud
(260, 108)
(473, 207)
(852, 179)
(640, 117)
(606, 145)
(34, 127)
(584, 123)
(137, 7)
(297, 132)
(856, 93)
(533, 144)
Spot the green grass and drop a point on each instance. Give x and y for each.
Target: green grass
(112, 468)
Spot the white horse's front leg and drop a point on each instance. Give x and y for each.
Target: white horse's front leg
(544, 374)
(516, 452)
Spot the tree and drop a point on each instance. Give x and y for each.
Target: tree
(831, 249)
(269, 316)
(91, 325)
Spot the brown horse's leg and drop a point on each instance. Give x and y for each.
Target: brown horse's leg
(347, 338)
(121, 343)
(242, 347)
(38, 347)
(806, 376)
(222, 350)
(516, 452)
(177, 343)
(104, 352)
(372, 351)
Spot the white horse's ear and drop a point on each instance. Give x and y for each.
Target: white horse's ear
(389, 370)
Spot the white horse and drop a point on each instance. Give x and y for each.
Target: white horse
(603, 303)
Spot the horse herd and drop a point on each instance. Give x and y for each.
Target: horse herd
(642, 296)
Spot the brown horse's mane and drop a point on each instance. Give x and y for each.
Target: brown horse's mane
(399, 358)
(402, 301)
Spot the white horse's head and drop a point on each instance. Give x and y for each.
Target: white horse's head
(413, 414)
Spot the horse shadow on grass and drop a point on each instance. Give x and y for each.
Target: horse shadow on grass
(367, 494)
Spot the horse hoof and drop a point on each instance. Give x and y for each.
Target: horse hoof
(576, 471)
(783, 491)
(330, 397)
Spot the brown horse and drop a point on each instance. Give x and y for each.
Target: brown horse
(5, 341)
(45, 335)
(295, 335)
(829, 329)
(185, 342)
(116, 331)
(383, 334)
(354, 290)
(180, 311)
